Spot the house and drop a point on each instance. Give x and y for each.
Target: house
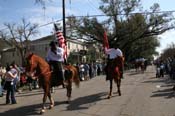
(41, 46)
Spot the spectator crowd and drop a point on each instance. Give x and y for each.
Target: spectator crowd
(14, 80)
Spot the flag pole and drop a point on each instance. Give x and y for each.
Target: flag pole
(64, 23)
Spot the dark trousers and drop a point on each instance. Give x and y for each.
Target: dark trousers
(57, 75)
(10, 92)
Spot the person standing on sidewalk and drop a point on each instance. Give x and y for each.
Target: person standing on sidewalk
(9, 85)
(1, 74)
(17, 79)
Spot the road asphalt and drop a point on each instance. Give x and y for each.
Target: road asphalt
(142, 95)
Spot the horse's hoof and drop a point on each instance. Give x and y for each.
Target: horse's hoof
(51, 106)
(109, 97)
(42, 111)
(68, 102)
(119, 93)
(174, 88)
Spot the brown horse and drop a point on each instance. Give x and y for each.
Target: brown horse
(139, 65)
(38, 67)
(114, 72)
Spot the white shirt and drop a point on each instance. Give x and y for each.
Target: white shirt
(113, 53)
(11, 72)
(56, 57)
(119, 52)
(82, 67)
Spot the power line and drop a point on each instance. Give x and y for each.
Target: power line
(49, 23)
(43, 25)
(103, 15)
(92, 5)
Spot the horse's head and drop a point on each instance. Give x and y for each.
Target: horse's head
(31, 64)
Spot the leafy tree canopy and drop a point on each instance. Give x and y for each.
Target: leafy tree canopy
(134, 33)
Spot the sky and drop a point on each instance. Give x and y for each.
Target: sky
(12, 11)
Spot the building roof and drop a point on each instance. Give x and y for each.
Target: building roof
(47, 39)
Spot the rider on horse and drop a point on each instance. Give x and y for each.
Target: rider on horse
(55, 59)
(114, 55)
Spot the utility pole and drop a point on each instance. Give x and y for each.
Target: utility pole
(64, 23)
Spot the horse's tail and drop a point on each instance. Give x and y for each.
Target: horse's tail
(117, 74)
(118, 70)
(76, 81)
(76, 78)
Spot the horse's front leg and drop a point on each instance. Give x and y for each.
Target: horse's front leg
(51, 100)
(46, 93)
(110, 92)
(69, 91)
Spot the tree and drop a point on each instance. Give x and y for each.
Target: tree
(125, 28)
(18, 36)
(169, 52)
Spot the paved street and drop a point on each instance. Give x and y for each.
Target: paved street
(142, 95)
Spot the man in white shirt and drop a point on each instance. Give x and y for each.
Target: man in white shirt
(55, 59)
(114, 53)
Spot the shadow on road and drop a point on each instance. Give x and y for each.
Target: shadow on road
(29, 110)
(164, 80)
(164, 87)
(22, 111)
(166, 93)
(77, 104)
(154, 81)
(86, 102)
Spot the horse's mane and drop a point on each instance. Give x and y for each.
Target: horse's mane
(39, 61)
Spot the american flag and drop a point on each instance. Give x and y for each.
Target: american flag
(61, 40)
(105, 42)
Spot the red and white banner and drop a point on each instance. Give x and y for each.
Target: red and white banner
(105, 41)
(61, 40)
